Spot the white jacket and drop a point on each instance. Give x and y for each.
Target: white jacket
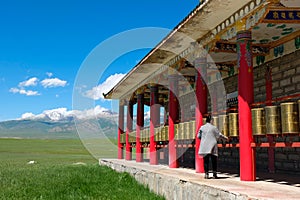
(209, 137)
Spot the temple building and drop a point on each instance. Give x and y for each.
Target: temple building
(238, 61)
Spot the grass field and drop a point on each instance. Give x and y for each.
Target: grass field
(60, 173)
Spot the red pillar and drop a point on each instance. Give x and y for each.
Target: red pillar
(201, 106)
(245, 99)
(154, 122)
(129, 129)
(120, 129)
(271, 153)
(139, 125)
(173, 119)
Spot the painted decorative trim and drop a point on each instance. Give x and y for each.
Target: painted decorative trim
(227, 29)
(257, 49)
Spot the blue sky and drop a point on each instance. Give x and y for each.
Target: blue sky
(43, 43)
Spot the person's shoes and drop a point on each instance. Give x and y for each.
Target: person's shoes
(215, 175)
(206, 176)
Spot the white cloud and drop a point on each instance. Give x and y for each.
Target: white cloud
(25, 92)
(49, 74)
(28, 115)
(30, 82)
(62, 113)
(53, 82)
(96, 93)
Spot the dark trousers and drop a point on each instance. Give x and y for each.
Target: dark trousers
(213, 160)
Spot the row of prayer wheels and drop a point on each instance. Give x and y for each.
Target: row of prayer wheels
(276, 119)
(227, 124)
(185, 131)
(145, 135)
(161, 133)
(269, 120)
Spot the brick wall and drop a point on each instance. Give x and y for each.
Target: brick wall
(286, 75)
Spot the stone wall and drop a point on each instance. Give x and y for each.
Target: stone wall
(174, 187)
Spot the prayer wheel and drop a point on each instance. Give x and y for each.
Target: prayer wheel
(122, 138)
(162, 134)
(272, 120)
(233, 124)
(156, 134)
(148, 135)
(186, 130)
(289, 117)
(159, 133)
(215, 121)
(143, 135)
(165, 133)
(223, 125)
(176, 130)
(258, 121)
(180, 131)
(192, 128)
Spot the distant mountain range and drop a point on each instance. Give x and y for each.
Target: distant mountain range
(60, 123)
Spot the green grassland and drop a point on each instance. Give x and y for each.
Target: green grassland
(60, 173)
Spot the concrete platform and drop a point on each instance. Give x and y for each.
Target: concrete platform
(185, 184)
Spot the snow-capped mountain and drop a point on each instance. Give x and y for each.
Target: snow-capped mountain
(62, 114)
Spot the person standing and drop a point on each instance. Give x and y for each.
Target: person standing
(209, 135)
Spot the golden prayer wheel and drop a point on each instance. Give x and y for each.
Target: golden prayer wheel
(176, 130)
(233, 124)
(272, 120)
(215, 121)
(122, 138)
(181, 131)
(148, 135)
(143, 135)
(187, 130)
(289, 117)
(160, 137)
(223, 125)
(192, 130)
(165, 133)
(162, 133)
(159, 133)
(258, 121)
(156, 134)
